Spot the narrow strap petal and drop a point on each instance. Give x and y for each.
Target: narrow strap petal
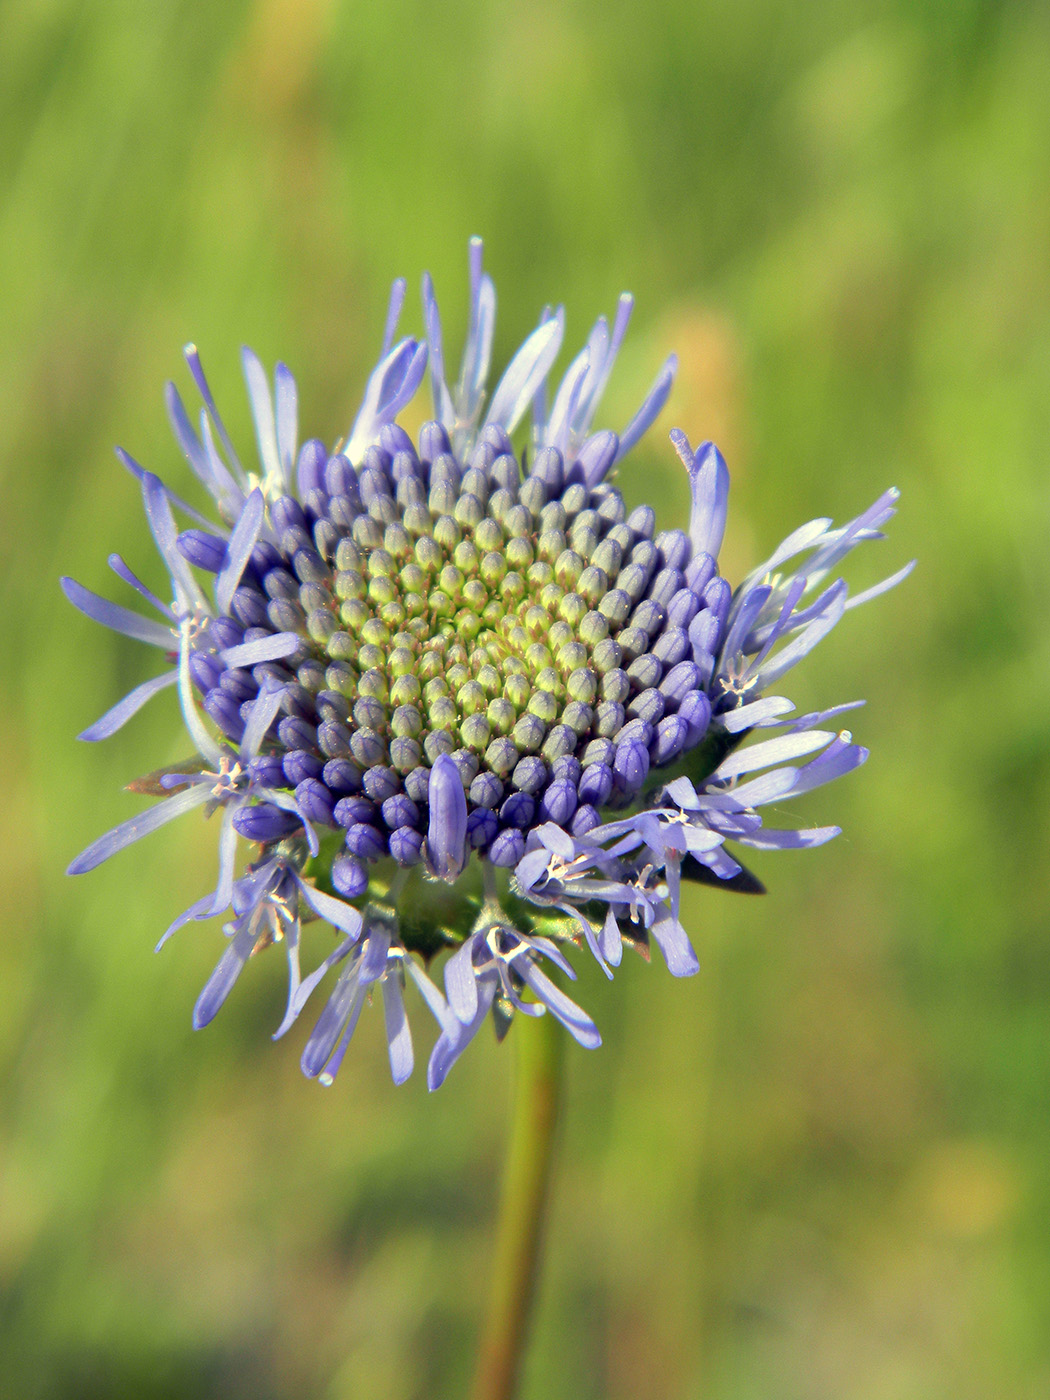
(123, 710)
(336, 911)
(138, 826)
(393, 312)
(444, 411)
(206, 744)
(671, 938)
(286, 412)
(262, 714)
(573, 1017)
(398, 1031)
(461, 985)
(243, 540)
(879, 588)
(302, 993)
(770, 751)
(117, 618)
(162, 526)
(220, 984)
(525, 373)
(273, 648)
(262, 414)
(193, 359)
(647, 415)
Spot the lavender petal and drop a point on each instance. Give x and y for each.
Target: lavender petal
(461, 986)
(451, 1043)
(238, 551)
(138, 826)
(573, 1017)
(115, 617)
(221, 982)
(671, 938)
(770, 751)
(272, 648)
(647, 415)
(525, 373)
(123, 710)
(398, 1031)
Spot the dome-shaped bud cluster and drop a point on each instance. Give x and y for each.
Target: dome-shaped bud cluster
(527, 626)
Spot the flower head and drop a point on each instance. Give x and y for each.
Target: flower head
(456, 697)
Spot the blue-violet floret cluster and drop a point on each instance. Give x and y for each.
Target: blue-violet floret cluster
(459, 700)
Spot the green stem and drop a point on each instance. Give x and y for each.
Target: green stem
(523, 1199)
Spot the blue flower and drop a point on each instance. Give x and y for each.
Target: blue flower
(498, 961)
(266, 901)
(378, 959)
(458, 700)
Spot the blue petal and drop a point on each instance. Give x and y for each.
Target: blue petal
(162, 525)
(770, 751)
(477, 352)
(461, 983)
(531, 867)
(525, 373)
(451, 1043)
(272, 648)
(670, 937)
(138, 826)
(238, 551)
(430, 994)
(374, 955)
(610, 941)
(839, 758)
(193, 359)
(650, 409)
(747, 608)
(227, 970)
(393, 312)
(566, 401)
(392, 383)
(206, 744)
(123, 710)
(573, 1018)
(443, 408)
(764, 711)
(817, 716)
(879, 588)
(709, 484)
(398, 1031)
(124, 572)
(804, 643)
(117, 618)
(338, 1019)
(299, 997)
(200, 909)
(227, 854)
(262, 414)
(208, 467)
(767, 839)
(261, 715)
(138, 472)
(768, 787)
(286, 407)
(344, 916)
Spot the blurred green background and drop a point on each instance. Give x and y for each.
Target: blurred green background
(821, 1169)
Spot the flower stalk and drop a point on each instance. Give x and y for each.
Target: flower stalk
(522, 1210)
